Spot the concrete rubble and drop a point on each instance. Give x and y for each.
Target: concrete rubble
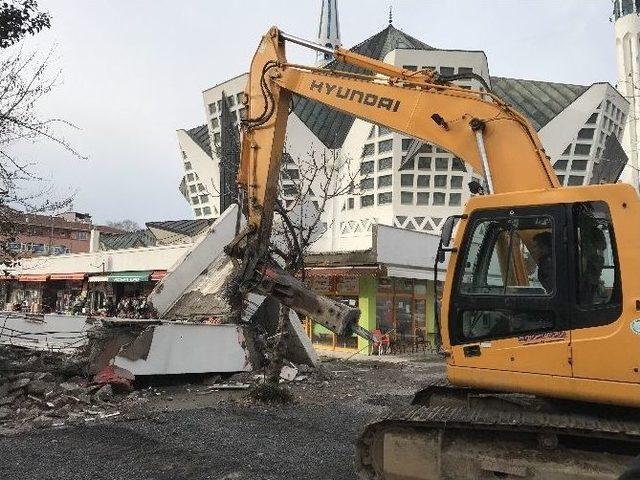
(74, 368)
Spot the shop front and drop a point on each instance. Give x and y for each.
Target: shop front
(392, 287)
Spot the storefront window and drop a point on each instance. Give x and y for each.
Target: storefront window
(401, 311)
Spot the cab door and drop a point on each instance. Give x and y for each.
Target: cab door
(508, 309)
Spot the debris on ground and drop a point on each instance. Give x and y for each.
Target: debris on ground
(39, 390)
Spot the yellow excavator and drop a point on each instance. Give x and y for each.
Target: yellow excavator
(539, 318)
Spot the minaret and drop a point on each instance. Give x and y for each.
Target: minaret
(627, 27)
(329, 29)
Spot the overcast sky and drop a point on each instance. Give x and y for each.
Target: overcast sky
(133, 72)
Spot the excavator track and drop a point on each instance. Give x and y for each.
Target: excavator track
(483, 439)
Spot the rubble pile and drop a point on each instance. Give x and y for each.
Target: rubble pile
(43, 389)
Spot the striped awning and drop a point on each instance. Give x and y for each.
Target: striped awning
(34, 278)
(68, 276)
(158, 275)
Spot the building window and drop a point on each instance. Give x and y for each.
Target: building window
(215, 123)
(561, 165)
(83, 235)
(412, 68)
(366, 200)
(457, 165)
(291, 174)
(424, 163)
(385, 163)
(442, 163)
(456, 182)
(206, 210)
(382, 130)
(366, 184)
(197, 211)
(212, 108)
(289, 189)
(195, 200)
(423, 181)
(242, 113)
(465, 70)
(438, 198)
(372, 132)
(232, 100)
(580, 165)
(200, 187)
(384, 181)
(190, 177)
(447, 71)
(422, 198)
(440, 181)
(216, 138)
(406, 142)
(366, 168)
(593, 118)
(184, 155)
(582, 149)
(204, 198)
(240, 97)
(567, 150)
(575, 180)
(385, 146)
(368, 150)
(350, 203)
(187, 165)
(455, 199)
(385, 198)
(586, 133)
(192, 188)
(406, 198)
(410, 165)
(406, 180)
(561, 179)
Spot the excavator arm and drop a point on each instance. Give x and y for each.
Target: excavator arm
(476, 126)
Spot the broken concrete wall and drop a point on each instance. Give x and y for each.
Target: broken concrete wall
(178, 348)
(172, 287)
(65, 333)
(299, 346)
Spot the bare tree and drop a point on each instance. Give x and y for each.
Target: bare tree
(126, 225)
(25, 79)
(309, 185)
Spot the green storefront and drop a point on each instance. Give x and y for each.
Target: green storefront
(401, 309)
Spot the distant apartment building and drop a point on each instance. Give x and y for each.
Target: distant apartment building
(35, 234)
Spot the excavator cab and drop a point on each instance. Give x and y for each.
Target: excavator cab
(534, 299)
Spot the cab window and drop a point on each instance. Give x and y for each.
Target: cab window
(513, 256)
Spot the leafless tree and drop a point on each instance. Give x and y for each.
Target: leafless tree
(309, 185)
(25, 79)
(126, 225)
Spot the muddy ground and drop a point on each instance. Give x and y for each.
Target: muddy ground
(190, 431)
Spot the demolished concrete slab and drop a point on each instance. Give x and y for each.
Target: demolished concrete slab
(172, 349)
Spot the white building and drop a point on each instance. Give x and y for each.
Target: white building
(627, 29)
(573, 121)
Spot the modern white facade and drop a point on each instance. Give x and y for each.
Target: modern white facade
(627, 30)
(573, 122)
(329, 28)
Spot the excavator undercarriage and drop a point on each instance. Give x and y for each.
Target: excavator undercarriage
(462, 433)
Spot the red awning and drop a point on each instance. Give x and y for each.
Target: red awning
(158, 275)
(33, 278)
(342, 271)
(68, 276)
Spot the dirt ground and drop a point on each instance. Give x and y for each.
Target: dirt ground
(191, 431)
